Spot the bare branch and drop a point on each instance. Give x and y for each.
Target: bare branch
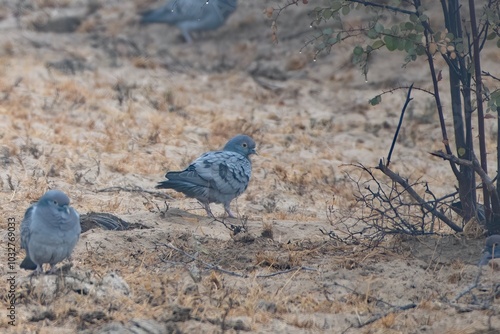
(417, 197)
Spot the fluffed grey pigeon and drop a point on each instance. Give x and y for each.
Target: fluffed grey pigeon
(491, 250)
(217, 176)
(192, 15)
(49, 231)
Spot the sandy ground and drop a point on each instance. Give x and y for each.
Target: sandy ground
(90, 101)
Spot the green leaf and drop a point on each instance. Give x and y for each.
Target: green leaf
(376, 100)
(377, 44)
(356, 59)
(423, 18)
(378, 27)
(391, 43)
(327, 14)
(345, 10)
(409, 26)
(401, 44)
(332, 40)
(327, 31)
(461, 151)
(419, 28)
(358, 50)
(409, 45)
(336, 5)
(420, 49)
(372, 34)
(498, 43)
(395, 29)
(413, 18)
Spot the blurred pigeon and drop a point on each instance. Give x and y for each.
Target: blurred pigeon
(192, 15)
(49, 231)
(491, 250)
(217, 176)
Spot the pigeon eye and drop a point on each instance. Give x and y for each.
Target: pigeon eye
(244, 145)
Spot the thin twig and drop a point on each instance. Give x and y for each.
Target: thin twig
(232, 273)
(135, 189)
(395, 177)
(285, 271)
(408, 99)
(394, 308)
(470, 287)
(380, 316)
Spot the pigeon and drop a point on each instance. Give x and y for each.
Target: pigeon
(491, 250)
(216, 176)
(49, 231)
(192, 15)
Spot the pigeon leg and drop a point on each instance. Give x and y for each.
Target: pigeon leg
(228, 210)
(37, 271)
(206, 206)
(53, 269)
(187, 36)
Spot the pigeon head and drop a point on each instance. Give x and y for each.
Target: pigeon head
(241, 144)
(55, 200)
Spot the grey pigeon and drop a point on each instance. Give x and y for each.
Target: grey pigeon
(49, 231)
(192, 15)
(491, 250)
(217, 176)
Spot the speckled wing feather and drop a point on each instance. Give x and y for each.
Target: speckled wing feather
(214, 177)
(228, 172)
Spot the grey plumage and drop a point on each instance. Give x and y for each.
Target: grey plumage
(217, 176)
(192, 15)
(49, 231)
(491, 249)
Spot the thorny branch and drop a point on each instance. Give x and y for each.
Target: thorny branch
(385, 207)
(395, 177)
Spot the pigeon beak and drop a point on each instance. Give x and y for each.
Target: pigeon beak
(66, 209)
(253, 152)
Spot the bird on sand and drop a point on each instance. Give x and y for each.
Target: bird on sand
(49, 231)
(216, 176)
(491, 249)
(192, 15)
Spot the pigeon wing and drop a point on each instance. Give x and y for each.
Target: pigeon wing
(227, 172)
(26, 227)
(175, 11)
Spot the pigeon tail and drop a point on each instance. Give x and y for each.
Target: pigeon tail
(189, 189)
(28, 264)
(156, 16)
